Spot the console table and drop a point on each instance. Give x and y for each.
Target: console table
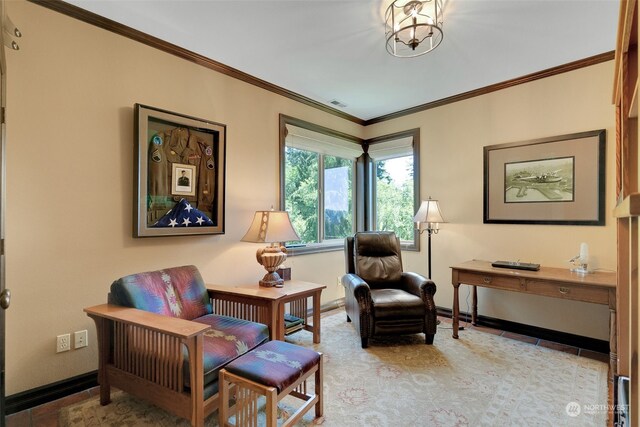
(598, 287)
(266, 305)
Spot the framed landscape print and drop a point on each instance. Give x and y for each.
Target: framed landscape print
(557, 180)
(180, 180)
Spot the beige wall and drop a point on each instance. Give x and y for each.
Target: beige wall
(71, 91)
(452, 140)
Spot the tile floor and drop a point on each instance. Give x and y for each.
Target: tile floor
(603, 357)
(47, 415)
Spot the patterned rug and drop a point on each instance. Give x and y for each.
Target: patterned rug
(479, 380)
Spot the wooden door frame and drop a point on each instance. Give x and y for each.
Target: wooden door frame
(3, 91)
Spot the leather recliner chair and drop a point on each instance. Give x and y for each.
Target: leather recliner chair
(381, 299)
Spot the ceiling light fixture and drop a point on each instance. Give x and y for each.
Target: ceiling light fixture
(413, 28)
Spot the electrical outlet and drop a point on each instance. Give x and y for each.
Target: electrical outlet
(63, 343)
(339, 281)
(80, 338)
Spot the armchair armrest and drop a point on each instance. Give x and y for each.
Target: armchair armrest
(357, 287)
(129, 355)
(173, 326)
(418, 284)
(358, 305)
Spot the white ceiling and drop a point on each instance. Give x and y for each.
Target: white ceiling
(329, 49)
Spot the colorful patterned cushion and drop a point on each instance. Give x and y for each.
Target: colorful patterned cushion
(227, 339)
(275, 364)
(177, 292)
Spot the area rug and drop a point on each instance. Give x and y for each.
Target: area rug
(478, 380)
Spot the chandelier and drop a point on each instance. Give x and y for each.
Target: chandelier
(413, 28)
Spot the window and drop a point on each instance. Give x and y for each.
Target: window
(394, 181)
(301, 192)
(394, 196)
(318, 183)
(331, 189)
(338, 197)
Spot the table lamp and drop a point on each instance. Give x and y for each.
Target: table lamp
(271, 227)
(429, 214)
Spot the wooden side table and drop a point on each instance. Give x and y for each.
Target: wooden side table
(298, 293)
(267, 305)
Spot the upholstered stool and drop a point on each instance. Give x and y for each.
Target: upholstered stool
(275, 370)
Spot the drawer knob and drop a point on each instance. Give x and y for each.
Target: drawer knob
(486, 279)
(563, 290)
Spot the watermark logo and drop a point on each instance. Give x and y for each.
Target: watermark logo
(573, 409)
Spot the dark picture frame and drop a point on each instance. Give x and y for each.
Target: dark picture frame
(180, 179)
(558, 180)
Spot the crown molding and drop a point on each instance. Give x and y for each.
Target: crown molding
(133, 34)
(586, 62)
(123, 30)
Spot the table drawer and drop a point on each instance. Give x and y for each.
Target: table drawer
(587, 293)
(492, 281)
(561, 290)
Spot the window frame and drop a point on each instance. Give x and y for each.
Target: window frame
(371, 198)
(357, 185)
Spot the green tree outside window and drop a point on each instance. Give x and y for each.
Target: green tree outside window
(394, 196)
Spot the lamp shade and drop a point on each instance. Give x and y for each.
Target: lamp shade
(270, 227)
(429, 212)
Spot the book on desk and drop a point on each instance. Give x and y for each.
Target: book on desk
(292, 324)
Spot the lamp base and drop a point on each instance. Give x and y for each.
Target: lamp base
(270, 258)
(271, 280)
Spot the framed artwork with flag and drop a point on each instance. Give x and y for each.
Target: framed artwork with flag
(180, 181)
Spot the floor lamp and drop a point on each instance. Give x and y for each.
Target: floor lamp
(429, 214)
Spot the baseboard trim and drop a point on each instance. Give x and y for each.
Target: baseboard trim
(48, 393)
(566, 338)
(331, 305)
